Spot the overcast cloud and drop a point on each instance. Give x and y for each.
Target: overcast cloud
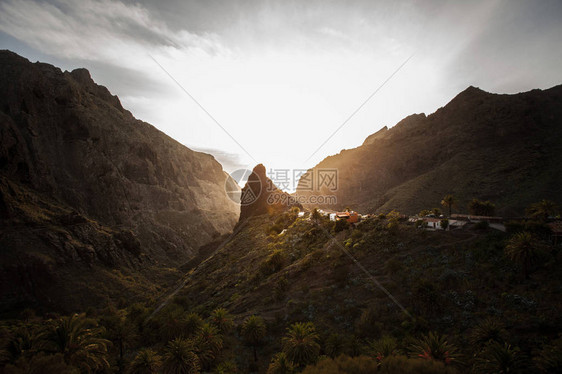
(281, 76)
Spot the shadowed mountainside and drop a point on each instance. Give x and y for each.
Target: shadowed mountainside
(503, 148)
(87, 190)
(261, 196)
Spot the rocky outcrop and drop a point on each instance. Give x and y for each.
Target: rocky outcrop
(113, 190)
(378, 135)
(503, 148)
(261, 196)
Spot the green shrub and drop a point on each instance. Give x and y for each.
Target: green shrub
(500, 358)
(369, 324)
(488, 330)
(275, 262)
(435, 347)
(393, 218)
(280, 289)
(227, 367)
(549, 358)
(334, 345)
(280, 364)
(356, 235)
(384, 347)
(146, 361)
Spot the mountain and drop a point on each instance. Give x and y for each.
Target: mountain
(502, 148)
(352, 284)
(261, 196)
(94, 204)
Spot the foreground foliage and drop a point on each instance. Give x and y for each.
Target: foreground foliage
(295, 302)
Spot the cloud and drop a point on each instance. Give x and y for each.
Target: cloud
(280, 76)
(97, 30)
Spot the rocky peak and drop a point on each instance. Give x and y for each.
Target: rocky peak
(501, 147)
(470, 94)
(378, 135)
(82, 75)
(83, 78)
(67, 145)
(410, 121)
(261, 196)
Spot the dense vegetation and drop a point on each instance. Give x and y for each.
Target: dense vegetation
(283, 295)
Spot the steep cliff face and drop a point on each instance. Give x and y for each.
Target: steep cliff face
(261, 196)
(102, 187)
(505, 148)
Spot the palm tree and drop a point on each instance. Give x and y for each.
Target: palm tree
(384, 347)
(120, 331)
(222, 320)
(500, 358)
(190, 324)
(171, 322)
(78, 339)
(434, 347)
(146, 362)
(180, 357)
(489, 329)
(20, 342)
(542, 210)
(280, 364)
(449, 201)
(301, 343)
(524, 249)
(253, 332)
(208, 344)
(334, 345)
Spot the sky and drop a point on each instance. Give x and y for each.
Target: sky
(273, 82)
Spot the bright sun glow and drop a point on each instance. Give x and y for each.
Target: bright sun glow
(283, 76)
(281, 107)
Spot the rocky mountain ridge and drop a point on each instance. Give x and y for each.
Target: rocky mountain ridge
(83, 184)
(503, 148)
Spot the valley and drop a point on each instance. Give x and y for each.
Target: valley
(121, 251)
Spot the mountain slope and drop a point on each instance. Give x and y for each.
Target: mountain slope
(505, 148)
(448, 281)
(83, 185)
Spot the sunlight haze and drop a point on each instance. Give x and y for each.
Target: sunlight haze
(281, 77)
